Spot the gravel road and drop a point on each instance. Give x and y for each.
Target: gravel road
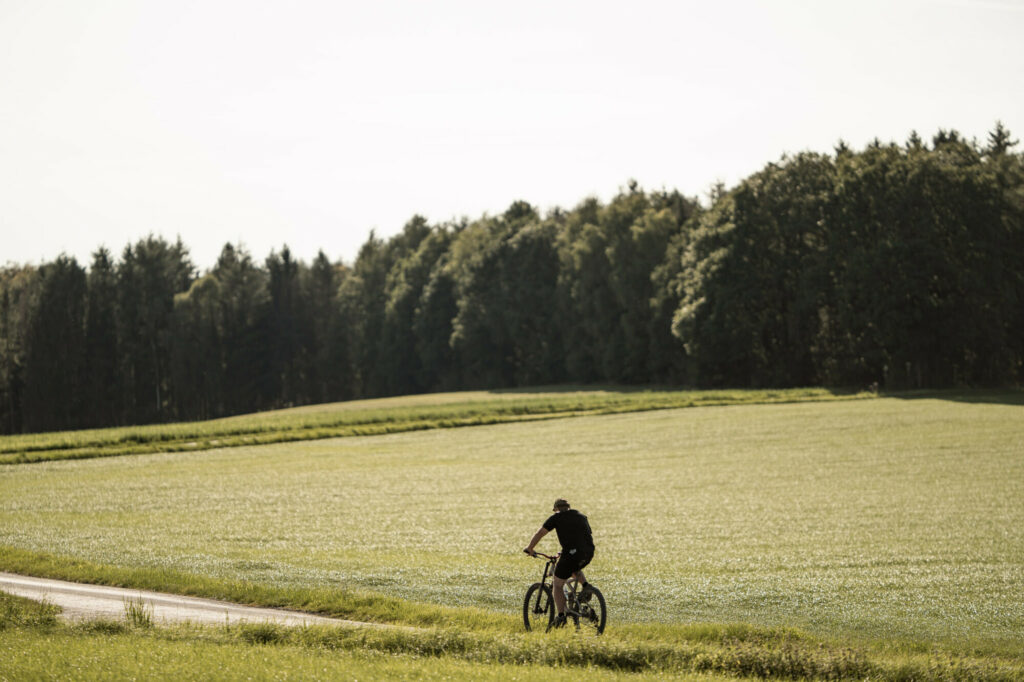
(86, 602)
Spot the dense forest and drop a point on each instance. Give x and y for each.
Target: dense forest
(897, 265)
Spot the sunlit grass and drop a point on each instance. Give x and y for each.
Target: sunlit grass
(17, 612)
(138, 613)
(80, 654)
(106, 649)
(880, 520)
(31, 647)
(381, 416)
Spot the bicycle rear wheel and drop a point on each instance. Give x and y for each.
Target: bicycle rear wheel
(593, 613)
(538, 607)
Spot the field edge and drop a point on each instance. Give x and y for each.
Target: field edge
(479, 636)
(389, 416)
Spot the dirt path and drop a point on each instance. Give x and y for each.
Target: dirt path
(86, 602)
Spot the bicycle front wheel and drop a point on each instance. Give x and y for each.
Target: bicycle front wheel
(593, 613)
(538, 607)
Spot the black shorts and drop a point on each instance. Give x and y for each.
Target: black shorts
(572, 561)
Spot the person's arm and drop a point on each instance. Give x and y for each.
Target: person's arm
(541, 532)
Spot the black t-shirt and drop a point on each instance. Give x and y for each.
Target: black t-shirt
(573, 530)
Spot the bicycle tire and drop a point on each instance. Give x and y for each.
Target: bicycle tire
(538, 607)
(593, 616)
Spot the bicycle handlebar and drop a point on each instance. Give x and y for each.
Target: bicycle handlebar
(537, 554)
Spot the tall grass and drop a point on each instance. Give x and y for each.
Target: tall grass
(138, 614)
(17, 612)
(85, 654)
(35, 646)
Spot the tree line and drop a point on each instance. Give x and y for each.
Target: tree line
(900, 265)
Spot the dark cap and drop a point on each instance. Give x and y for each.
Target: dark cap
(560, 504)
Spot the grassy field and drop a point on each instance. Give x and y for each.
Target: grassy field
(892, 525)
(33, 645)
(379, 416)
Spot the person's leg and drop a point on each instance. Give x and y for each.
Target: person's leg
(563, 571)
(581, 580)
(558, 588)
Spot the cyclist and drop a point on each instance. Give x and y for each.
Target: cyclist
(577, 543)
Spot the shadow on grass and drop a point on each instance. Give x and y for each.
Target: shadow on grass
(994, 396)
(991, 396)
(663, 388)
(586, 388)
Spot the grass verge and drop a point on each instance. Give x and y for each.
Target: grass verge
(335, 603)
(16, 612)
(88, 654)
(473, 637)
(31, 636)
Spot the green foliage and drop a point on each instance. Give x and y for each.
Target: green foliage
(138, 614)
(505, 331)
(762, 656)
(101, 393)
(907, 307)
(750, 282)
(895, 265)
(149, 275)
(326, 370)
(18, 287)
(615, 328)
(104, 649)
(16, 612)
(407, 331)
(55, 391)
(82, 653)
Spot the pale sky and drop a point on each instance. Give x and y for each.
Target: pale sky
(311, 122)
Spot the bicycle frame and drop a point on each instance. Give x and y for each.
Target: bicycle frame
(588, 609)
(549, 572)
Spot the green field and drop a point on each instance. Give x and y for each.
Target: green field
(379, 416)
(892, 524)
(34, 646)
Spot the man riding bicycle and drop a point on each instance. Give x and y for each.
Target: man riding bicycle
(577, 543)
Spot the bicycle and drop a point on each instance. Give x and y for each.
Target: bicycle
(539, 604)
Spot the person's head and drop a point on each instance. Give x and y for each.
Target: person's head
(560, 505)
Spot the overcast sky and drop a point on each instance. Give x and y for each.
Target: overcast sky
(311, 122)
